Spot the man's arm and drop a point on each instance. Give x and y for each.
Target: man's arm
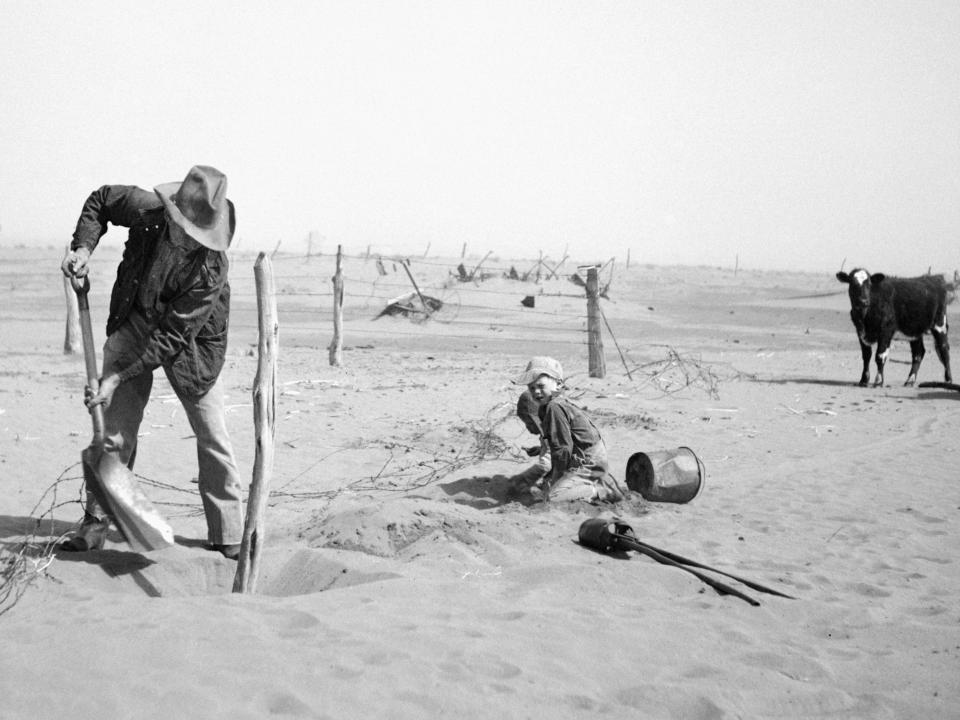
(115, 204)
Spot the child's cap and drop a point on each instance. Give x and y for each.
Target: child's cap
(538, 366)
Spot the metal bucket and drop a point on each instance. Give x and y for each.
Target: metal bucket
(675, 476)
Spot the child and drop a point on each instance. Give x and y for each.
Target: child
(532, 478)
(577, 453)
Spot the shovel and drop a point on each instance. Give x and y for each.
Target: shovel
(110, 481)
(609, 535)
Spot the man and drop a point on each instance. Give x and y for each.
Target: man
(169, 308)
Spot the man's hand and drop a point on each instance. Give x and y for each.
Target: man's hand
(74, 265)
(532, 450)
(104, 395)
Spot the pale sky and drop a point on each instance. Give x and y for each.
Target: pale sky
(793, 134)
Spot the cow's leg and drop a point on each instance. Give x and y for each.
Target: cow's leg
(883, 351)
(942, 344)
(865, 351)
(917, 351)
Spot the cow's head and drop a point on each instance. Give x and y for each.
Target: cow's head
(861, 285)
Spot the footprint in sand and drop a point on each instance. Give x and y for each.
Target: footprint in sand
(867, 590)
(506, 616)
(666, 701)
(384, 658)
(926, 611)
(812, 701)
(922, 517)
(792, 666)
(287, 704)
(490, 666)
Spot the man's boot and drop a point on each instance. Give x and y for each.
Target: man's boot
(91, 535)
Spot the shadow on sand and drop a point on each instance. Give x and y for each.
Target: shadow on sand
(21, 527)
(483, 492)
(16, 531)
(807, 381)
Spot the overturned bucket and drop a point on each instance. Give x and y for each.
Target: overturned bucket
(675, 476)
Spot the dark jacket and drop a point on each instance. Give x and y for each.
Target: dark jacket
(183, 293)
(570, 433)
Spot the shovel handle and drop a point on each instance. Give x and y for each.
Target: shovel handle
(720, 587)
(81, 286)
(693, 563)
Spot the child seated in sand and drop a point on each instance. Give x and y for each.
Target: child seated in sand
(578, 455)
(531, 479)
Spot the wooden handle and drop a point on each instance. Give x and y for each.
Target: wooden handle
(82, 286)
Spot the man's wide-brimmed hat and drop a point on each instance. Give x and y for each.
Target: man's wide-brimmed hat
(199, 206)
(538, 366)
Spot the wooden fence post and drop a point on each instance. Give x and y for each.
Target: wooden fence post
(72, 340)
(473, 275)
(406, 266)
(264, 415)
(336, 344)
(597, 364)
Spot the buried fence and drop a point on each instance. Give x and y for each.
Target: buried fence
(437, 299)
(351, 305)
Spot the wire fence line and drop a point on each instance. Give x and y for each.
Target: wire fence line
(495, 306)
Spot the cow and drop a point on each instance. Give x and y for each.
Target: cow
(881, 306)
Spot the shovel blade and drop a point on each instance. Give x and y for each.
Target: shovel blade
(117, 490)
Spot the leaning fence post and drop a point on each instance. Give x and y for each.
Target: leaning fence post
(72, 340)
(336, 344)
(406, 266)
(264, 414)
(597, 364)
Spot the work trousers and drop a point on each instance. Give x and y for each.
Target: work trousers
(590, 480)
(219, 481)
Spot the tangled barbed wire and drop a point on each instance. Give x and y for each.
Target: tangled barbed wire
(26, 560)
(410, 466)
(679, 371)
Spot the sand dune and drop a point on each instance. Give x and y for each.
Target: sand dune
(403, 578)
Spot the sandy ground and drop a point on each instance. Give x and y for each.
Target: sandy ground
(402, 578)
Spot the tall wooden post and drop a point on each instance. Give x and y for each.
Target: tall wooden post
(336, 344)
(463, 253)
(264, 415)
(597, 364)
(72, 339)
